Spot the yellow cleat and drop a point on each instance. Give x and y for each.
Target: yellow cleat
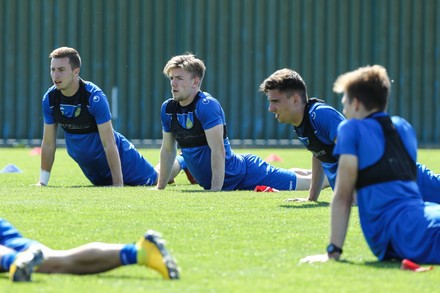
(152, 253)
(23, 266)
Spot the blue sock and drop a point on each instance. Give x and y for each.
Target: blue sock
(181, 161)
(7, 260)
(128, 254)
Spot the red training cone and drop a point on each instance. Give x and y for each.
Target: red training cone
(264, 188)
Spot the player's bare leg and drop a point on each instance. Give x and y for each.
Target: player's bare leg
(90, 258)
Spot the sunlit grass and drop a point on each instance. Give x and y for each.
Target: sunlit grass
(239, 241)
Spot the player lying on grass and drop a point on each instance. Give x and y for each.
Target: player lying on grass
(20, 256)
(316, 124)
(196, 121)
(105, 156)
(377, 159)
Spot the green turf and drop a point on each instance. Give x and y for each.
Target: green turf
(224, 242)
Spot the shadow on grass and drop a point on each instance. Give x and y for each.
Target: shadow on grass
(193, 191)
(302, 205)
(71, 186)
(127, 277)
(391, 264)
(207, 191)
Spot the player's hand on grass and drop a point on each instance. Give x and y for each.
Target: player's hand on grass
(320, 258)
(299, 199)
(315, 258)
(39, 184)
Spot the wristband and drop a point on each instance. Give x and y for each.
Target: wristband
(44, 177)
(331, 248)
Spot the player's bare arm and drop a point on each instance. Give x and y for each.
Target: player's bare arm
(168, 153)
(340, 208)
(48, 148)
(343, 199)
(111, 152)
(318, 176)
(317, 181)
(214, 136)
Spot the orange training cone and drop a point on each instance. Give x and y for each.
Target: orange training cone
(273, 158)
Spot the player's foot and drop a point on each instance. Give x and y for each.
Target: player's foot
(190, 177)
(23, 266)
(153, 254)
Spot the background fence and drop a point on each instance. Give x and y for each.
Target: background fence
(124, 45)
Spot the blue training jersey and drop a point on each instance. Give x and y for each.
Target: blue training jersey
(325, 120)
(198, 159)
(87, 149)
(392, 214)
(429, 184)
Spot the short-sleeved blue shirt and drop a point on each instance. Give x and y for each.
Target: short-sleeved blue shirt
(242, 171)
(325, 120)
(87, 149)
(394, 219)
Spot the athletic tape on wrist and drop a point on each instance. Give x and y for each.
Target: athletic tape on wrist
(44, 177)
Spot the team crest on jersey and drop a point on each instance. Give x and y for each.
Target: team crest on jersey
(189, 123)
(70, 110)
(186, 120)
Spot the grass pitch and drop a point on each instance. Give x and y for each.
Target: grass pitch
(239, 241)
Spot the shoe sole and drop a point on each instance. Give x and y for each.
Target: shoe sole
(155, 238)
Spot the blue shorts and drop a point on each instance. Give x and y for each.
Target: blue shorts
(11, 238)
(423, 228)
(259, 172)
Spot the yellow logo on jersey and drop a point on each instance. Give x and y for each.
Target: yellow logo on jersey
(189, 123)
(77, 112)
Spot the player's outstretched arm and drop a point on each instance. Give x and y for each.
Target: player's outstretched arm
(111, 152)
(48, 148)
(214, 136)
(168, 153)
